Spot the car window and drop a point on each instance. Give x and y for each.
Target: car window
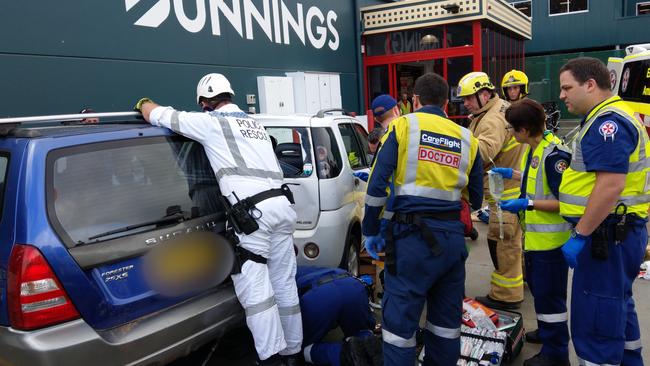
(326, 151)
(635, 82)
(293, 150)
(4, 162)
(101, 187)
(356, 154)
(362, 136)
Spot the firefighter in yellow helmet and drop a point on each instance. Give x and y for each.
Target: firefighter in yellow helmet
(499, 148)
(514, 85)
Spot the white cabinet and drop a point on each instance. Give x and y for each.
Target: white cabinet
(276, 94)
(315, 91)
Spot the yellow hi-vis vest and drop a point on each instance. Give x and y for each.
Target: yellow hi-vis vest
(435, 156)
(543, 230)
(577, 183)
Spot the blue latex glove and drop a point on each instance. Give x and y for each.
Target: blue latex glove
(514, 206)
(505, 172)
(361, 175)
(572, 248)
(375, 244)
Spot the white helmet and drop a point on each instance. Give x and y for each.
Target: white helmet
(212, 85)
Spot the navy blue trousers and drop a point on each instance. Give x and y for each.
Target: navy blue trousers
(422, 276)
(604, 324)
(547, 276)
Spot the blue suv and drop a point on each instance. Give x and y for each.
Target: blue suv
(109, 245)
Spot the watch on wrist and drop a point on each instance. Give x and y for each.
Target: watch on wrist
(576, 234)
(531, 205)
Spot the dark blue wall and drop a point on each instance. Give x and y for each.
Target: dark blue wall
(60, 56)
(603, 26)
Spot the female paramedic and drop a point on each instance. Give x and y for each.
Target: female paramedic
(545, 230)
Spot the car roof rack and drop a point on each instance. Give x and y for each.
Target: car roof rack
(59, 118)
(325, 111)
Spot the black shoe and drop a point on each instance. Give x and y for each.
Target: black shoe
(542, 360)
(533, 337)
(353, 353)
(274, 360)
(295, 359)
(374, 350)
(496, 304)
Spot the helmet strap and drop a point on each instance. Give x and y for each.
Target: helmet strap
(480, 105)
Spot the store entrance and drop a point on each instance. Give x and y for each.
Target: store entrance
(406, 74)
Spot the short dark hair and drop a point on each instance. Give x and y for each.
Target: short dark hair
(528, 114)
(375, 135)
(432, 89)
(585, 68)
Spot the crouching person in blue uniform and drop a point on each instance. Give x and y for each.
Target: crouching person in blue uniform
(604, 194)
(433, 163)
(330, 298)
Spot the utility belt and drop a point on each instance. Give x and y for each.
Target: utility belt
(243, 217)
(614, 229)
(321, 281)
(416, 219)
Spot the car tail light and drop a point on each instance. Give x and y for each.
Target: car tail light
(35, 296)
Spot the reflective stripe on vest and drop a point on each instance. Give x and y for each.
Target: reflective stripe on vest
(543, 230)
(410, 184)
(577, 184)
(240, 168)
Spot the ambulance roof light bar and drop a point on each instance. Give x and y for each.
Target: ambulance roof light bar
(637, 48)
(68, 117)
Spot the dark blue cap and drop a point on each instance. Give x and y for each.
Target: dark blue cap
(382, 104)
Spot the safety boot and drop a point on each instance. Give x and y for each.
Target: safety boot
(295, 359)
(543, 360)
(353, 353)
(533, 337)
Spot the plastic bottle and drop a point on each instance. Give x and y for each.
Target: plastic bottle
(495, 181)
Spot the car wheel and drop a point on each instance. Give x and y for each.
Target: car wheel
(351, 262)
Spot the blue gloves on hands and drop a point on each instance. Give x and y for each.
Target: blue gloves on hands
(361, 175)
(505, 172)
(515, 205)
(572, 248)
(375, 244)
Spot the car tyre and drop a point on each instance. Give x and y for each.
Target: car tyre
(350, 260)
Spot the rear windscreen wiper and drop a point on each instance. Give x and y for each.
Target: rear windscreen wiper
(174, 218)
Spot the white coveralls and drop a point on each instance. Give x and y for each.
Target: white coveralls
(242, 157)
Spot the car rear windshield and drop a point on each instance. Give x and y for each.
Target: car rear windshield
(293, 150)
(96, 188)
(4, 162)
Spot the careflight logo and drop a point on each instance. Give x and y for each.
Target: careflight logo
(279, 24)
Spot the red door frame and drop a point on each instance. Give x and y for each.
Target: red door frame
(390, 60)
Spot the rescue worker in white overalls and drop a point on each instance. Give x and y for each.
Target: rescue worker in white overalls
(498, 147)
(433, 163)
(604, 194)
(241, 155)
(545, 230)
(514, 85)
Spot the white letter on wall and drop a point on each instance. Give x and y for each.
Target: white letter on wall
(233, 16)
(250, 11)
(297, 26)
(191, 25)
(331, 18)
(322, 31)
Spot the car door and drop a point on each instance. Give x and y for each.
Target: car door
(355, 143)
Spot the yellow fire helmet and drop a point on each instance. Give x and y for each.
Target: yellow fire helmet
(513, 78)
(473, 82)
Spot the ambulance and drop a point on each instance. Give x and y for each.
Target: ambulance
(630, 78)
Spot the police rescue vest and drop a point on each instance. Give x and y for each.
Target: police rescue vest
(435, 156)
(578, 184)
(543, 230)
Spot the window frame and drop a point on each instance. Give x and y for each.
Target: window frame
(530, 6)
(636, 8)
(355, 139)
(336, 152)
(7, 155)
(568, 12)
